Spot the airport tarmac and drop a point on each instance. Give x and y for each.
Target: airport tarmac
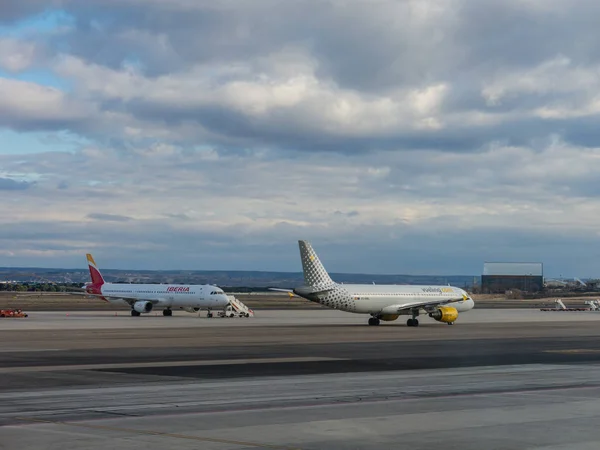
(60, 320)
(497, 379)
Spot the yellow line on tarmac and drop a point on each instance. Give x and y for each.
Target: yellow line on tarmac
(158, 433)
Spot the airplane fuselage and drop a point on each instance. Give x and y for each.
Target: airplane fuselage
(164, 295)
(373, 299)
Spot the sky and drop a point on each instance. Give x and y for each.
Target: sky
(415, 137)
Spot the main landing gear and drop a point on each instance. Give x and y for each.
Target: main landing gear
(374, 321)
(412, 323)
(209, 314)
(167, 312)
(134, 313)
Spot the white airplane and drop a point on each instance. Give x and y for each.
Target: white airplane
(382, 302)
(143, 297)
(553, 283)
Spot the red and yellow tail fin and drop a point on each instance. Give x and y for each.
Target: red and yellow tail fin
(97, 279)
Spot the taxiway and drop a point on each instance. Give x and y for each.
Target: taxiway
(300, 379)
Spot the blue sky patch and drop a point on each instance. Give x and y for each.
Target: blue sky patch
(43, 23)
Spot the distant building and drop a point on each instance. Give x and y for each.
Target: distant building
(499, 277)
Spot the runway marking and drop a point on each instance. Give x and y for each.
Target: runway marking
(213, 362)
(571, 351)
(158, 433)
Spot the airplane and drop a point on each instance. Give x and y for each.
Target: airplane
(552, 283)
(144, 297)
(382, 302)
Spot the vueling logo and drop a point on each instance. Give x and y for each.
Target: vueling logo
(438, 290)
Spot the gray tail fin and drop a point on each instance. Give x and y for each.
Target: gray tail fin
(314, 272)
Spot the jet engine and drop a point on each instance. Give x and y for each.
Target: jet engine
(142, 306)
(446, 314)
(388, 317)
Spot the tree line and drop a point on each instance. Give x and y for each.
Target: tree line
(39, 287)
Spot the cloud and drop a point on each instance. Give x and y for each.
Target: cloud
(28, 106)
(108, 217)
(15, 55)
(340, 81)
(421, 135)
(8, 184)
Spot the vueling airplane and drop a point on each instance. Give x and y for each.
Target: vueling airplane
(382, 302)
(143, 297)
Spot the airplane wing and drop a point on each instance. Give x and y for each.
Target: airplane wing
(129, 300)
(395, 309)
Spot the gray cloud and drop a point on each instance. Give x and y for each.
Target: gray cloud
(361, 79)
(8, 184)
(421, 135)
(108, 217)
(13, 10)
(180, 216)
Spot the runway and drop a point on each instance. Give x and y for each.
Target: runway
(496, 380)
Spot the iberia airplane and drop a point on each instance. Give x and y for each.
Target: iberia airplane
(382, 302)
(144, 297)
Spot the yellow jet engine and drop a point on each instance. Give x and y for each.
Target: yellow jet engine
(389, 317)
(446, 314)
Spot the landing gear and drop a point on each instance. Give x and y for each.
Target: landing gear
(134, 313)
(374, 321)
(412, 323)
(209, 314)
(167, 312)
(450, 323)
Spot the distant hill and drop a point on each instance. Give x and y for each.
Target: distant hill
(224, 278)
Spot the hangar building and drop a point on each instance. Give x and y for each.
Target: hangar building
(499, 277)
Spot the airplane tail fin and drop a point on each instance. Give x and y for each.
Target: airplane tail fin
(314, 273)
(97, 279)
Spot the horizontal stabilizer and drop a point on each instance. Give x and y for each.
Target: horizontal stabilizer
(311, 290)
(289, 292)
